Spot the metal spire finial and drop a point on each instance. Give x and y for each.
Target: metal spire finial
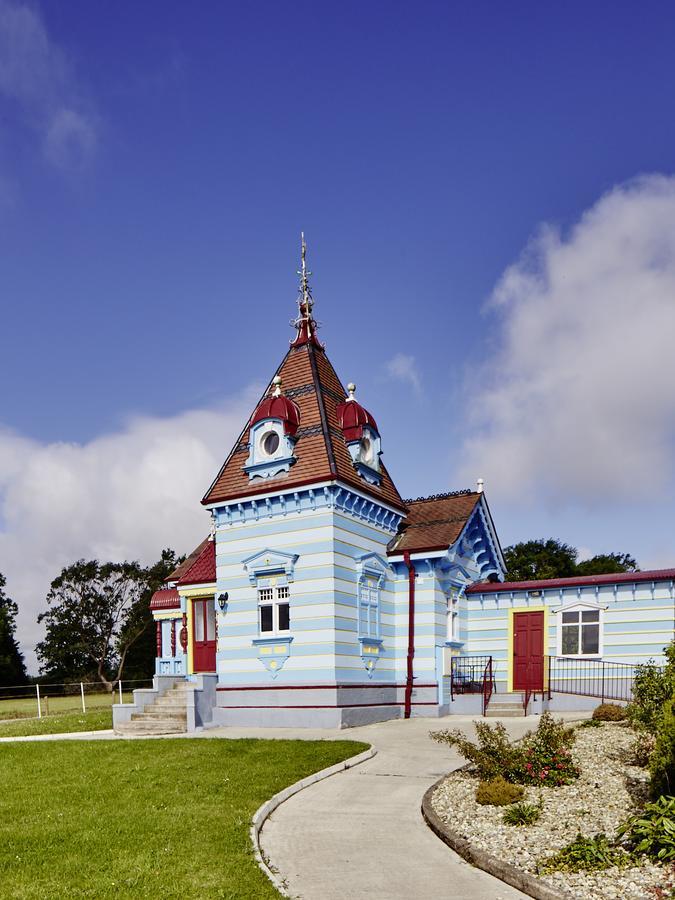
(305, 292)
(305, 323)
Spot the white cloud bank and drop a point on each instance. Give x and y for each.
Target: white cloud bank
(121, 496)
(37, 76)
(578, 403)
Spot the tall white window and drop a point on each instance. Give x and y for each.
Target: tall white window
(274, 610)
(453, 618)
(167, 625)
(579, 632)
(369, 608)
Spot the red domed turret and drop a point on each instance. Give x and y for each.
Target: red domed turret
(352, 417)
(277, 406)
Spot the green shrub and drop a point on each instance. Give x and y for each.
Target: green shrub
(652, 686)
(585, 854)
(591, 723)
(662, 759)
(498, 792)
(641, 749)
(547, 759)
(542, 757)
(652, 831)
(522, 814)
(609, 712)
(492, 756)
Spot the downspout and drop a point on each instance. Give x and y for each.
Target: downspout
(411, 634)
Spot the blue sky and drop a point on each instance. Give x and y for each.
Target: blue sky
(157, 163)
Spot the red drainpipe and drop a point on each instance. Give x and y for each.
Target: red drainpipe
(411, 633)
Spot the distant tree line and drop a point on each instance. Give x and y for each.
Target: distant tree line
(550, 558)
(98, 624)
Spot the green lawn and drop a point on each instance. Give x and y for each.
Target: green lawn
(144, 818)
(19, 707)
(92, 720)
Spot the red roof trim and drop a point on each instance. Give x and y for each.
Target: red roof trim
(492, 587)
(165, 598)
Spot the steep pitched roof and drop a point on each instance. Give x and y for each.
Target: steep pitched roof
(310, 380)
(187, 563)
(203, 568)
(491, 587)
(434, 523)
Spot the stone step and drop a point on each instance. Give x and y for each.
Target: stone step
(179, 700)
(155, 714)
(503, 713)
(156, 726)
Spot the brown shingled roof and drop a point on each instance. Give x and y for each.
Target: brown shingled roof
(434, 523)
(310, 380)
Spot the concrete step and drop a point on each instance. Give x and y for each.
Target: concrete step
(504, 713)
(156, 726)
(180, 700)
(161, 714)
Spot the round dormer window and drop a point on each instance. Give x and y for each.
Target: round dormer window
(367, 450)
(269, 443)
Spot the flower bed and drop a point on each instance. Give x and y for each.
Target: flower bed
(606, 793)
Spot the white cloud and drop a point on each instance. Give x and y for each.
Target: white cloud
(37, 76)
(403, 368)
(578, 404)
(121, 496)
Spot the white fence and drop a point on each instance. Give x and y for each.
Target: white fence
(39, 700)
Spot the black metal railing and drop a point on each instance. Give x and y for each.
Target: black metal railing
(590, 678)
(488, 684)
(467, 674)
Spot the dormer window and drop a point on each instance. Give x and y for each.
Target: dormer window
(269, 443)
(272, 435)
(361, 437)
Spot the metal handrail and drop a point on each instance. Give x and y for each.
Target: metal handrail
(591, 678)
(466, 674)
(488, 684)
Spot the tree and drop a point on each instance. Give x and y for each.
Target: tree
(95, 617)
(534, 560)
(140, 661)
(539, 559)
(607, 564)
(12, 665)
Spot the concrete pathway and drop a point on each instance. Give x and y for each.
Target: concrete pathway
(361, 833)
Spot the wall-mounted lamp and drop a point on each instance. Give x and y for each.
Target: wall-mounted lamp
(222, 600)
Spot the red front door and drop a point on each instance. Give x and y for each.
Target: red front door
(528, 651)
(203, 636)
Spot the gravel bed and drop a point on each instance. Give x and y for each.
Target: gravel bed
(606, 793)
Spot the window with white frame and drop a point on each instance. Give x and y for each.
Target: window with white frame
(167, 625)
(580, 631)
(452, 618)
(369, 607)
(274, 610)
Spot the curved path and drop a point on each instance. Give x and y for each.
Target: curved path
(361, 833)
